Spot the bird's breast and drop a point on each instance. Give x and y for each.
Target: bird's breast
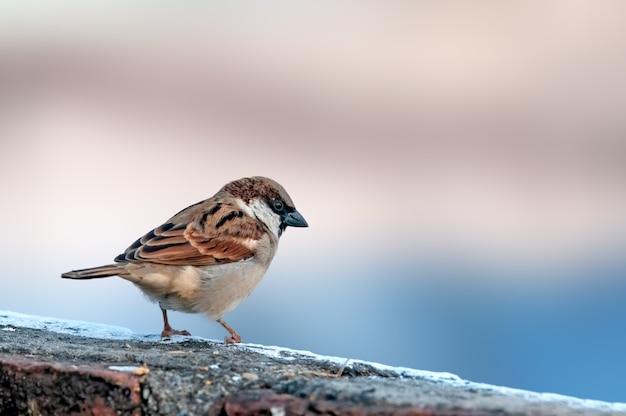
(224, 287)
(214, 290)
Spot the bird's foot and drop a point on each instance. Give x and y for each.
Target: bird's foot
(168, 332)
(233, 339)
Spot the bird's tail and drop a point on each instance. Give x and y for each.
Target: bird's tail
(95, 272)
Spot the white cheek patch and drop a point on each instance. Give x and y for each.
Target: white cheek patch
(264, 214)
(244, 207)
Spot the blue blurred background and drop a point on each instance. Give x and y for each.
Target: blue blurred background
(462, 167)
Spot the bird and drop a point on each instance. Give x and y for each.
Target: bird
(210, 256)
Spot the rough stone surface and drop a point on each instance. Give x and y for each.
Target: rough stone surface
(49, 373)
(36, 387)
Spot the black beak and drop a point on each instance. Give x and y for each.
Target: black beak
(294, 219)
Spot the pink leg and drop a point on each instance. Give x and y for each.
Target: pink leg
(234, 337)
(167, 329)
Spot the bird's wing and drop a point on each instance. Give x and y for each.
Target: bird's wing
(208, 235)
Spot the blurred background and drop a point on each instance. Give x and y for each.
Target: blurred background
(462, 166)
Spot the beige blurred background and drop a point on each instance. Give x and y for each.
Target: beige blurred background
(462, 166)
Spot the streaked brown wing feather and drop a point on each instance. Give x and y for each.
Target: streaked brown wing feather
(201, 235)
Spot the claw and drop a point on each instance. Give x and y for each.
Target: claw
(234, 337)
(168, 331)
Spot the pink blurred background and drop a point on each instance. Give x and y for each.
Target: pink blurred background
(462, 167)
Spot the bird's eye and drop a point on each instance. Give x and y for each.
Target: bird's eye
(278, 205)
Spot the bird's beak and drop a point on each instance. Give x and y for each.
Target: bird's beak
(295, 219)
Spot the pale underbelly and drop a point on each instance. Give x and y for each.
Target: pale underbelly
(213, 291)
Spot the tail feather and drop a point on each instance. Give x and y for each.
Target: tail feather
(95, 272)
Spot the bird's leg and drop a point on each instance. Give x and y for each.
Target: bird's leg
(234, 337)
(168, 331)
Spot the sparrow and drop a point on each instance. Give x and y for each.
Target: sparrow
(211, 255)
